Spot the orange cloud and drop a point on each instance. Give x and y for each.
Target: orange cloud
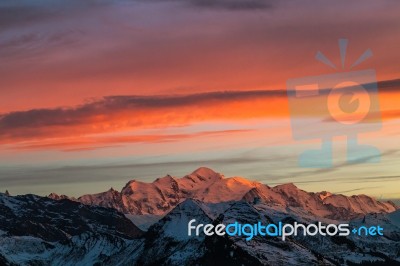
(77, 127)
(122, 113)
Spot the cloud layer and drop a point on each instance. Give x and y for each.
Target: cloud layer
(122, 113)
(119, 113)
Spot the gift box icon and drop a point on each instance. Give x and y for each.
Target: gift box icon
(338, 104)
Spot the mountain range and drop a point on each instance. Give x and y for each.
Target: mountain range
(205, 185)
(146, 224)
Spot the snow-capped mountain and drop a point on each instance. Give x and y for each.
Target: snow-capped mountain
(168, 241)
(40, 231)
(58, 230)
(160, 196)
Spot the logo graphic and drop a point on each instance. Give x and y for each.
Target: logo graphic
(338, 104)
(249, 231)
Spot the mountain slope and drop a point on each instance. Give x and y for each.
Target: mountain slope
(37, 230)
(167, 241)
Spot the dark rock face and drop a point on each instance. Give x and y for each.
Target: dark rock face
(41, 231)
(58, 220)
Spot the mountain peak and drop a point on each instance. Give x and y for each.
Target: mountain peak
(165, 179)
(199, 179)
(55, 196)
(129, 185)
(288, 186)
(324, 194)
(205, 172)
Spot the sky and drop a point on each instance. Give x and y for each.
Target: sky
(96, 93)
